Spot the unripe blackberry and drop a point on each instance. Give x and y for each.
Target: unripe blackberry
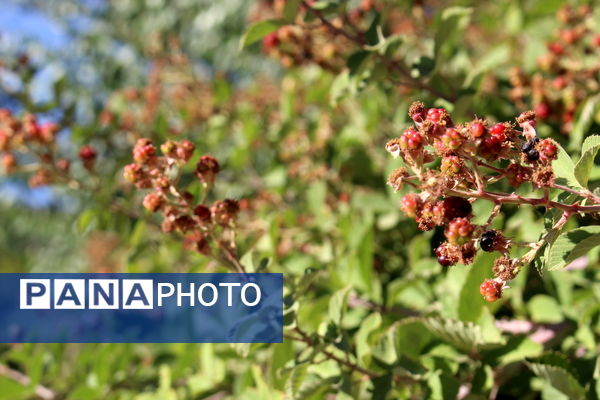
(63, 165)
(153, 202)
(451, 165)
(133, 173)
(185, 150)
(9, 162)
(477, 129)
(144, 151)
(459, 231)
(547, 149)
(435, 114)
(87, 154)
(498, 132)
(270, 41)
(542, 110)
(411, 140)
(411, 204)
(452, 139)
(556, 48)
(491, 290)
(417, 111)
(168, 148)
(456, 207)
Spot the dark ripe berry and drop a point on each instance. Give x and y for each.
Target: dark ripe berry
(444, 261)
(456, 207)
(442, 256)
(527, 146)
(533, 155)
(488, 240)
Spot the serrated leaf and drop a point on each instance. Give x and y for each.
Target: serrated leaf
(296, 380)
(583, 121)
(559, 378)
(564, 168)
(464, 335)
(583, 168)
(259, 30)
(571, 245)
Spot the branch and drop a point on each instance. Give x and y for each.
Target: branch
(40, 391)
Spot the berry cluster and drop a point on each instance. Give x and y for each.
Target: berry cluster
(568, 71)
(25, 138)
(472, 156)
(208, 229)
(311, 43)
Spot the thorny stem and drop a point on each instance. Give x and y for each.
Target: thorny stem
(514, 198)
(391, 64)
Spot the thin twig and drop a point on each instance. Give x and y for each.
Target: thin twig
(41, 391)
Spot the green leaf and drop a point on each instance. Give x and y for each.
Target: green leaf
(544, 308)
(337, 305)
(452, 20)
(470, 302)
(259, 30)
(290, 11)
(564, 168)
(571, 245)
(464, 335)
(296, 380)
(559, 378)
(583, 168)
(584, 121)
(363, 342)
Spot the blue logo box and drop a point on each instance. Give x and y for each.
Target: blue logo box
(141, 308)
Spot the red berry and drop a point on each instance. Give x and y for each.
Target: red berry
(597, 40)
(88, 156)
(452, 139)
(556, 48)
(153, 202)
(410, 204)
(435, 114)
(459, 231)
(270, 41)
(477, 129)
(559, 83)
(143, 151)
(569, 36)
(491, 290)
(185, 150)
(498, 131)
(547, 149)
(133, 172)
(411, 140)
(542, 110)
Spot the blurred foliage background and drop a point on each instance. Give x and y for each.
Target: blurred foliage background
(301, 145)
